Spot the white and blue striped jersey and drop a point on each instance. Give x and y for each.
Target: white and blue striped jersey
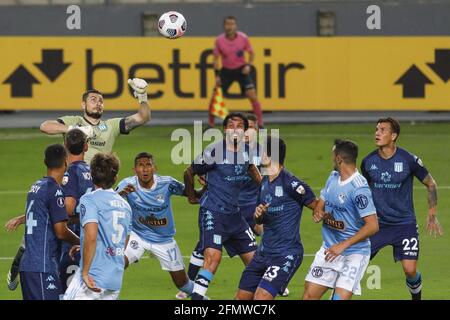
(347, 203)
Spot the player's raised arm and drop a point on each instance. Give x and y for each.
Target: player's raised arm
(433, 225)
(14, 223)
(53, 127)
(143, 115)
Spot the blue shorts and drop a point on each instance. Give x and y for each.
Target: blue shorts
(40, 286)
(67, 268)
(271, 273)
(248, 212)
(228, 230)
(404, 240)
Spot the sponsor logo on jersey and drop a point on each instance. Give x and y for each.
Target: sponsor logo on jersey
(386, 177)
(328, 220)
(152, 221)
(398, 166)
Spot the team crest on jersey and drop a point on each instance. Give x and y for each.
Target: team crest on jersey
(82, 210)
(246, 158)
(257, 161)
(278, 191)
(398, 166)
(386, 177)
(160, 198)
(65, 180)
(341, 198)
(102, 127)
(134, 244)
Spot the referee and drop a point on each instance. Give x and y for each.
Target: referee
(231, 47)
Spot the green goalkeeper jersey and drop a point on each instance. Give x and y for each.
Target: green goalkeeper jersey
(105, 133)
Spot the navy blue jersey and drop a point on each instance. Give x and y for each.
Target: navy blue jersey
(249, 192)
(391, 182)
(286, 196)
(76, 182)
(45, 207)
(226, 174)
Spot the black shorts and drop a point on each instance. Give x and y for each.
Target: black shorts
(228, 76)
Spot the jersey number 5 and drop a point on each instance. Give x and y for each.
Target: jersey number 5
(118, 228)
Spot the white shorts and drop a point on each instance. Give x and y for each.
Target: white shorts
(77, 290)
(344, 272)
(168, 254)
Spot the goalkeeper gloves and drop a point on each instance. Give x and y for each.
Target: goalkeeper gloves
(87, 130)
(140, 88)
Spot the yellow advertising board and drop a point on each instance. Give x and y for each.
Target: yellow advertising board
(337, 73)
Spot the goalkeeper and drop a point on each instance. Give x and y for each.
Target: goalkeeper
(101, 134)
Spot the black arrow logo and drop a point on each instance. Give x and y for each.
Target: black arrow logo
(52, 64)
(441, 65)
(21, 82)
(413, 81)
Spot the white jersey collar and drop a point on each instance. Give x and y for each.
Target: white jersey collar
(145, 189)
(349, 179)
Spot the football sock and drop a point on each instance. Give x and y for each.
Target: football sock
(201, 285)
(415, 286)
(188, 287)
(16, 263)
(195, 263)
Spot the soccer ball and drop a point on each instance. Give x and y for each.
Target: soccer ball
(172, 25)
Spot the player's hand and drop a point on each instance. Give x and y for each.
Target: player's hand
(433, 226)
(90, 283)
(318, 215)
(218, 81)
(14, 223)
(334, 251)
(260, 211)
(127, 190)
(73, 251)
(87, 130)
(246, 70)
(140, 88)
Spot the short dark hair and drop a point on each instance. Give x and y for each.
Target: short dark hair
(235, 115)
(395, 125)
(55, 156)
(75, 140)
(143, 155)
(273, 141)
(86, 94)
(104, 169)
(252, 117)
(230, 17)
(347, 149)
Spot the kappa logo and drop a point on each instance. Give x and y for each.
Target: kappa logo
(373, 167)
(294, 184)
(51, 286)
(268, 198)
(50, 278)
(386, 177)
(58, 193)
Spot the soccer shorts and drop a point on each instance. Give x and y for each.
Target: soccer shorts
(168, 254)
(228, 76)
(404, 240)
(344, 272)
(248, 213)
(40, 286)
(228, 230)
(67, 268)
(78, 290)
(271, 273)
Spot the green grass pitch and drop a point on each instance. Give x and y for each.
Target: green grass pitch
(308, 156)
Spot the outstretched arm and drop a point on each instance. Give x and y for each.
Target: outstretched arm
(433, 225)
(53, 127)
(143, 115)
